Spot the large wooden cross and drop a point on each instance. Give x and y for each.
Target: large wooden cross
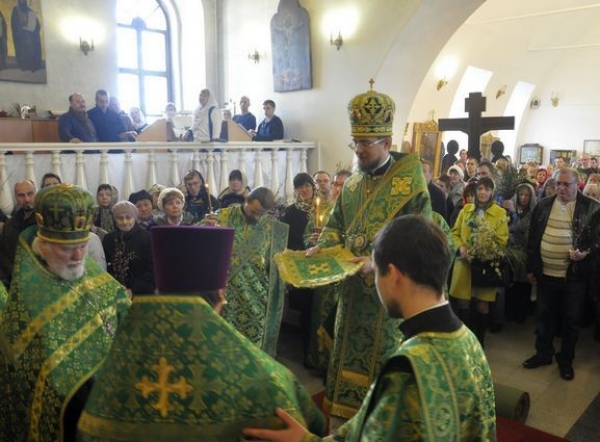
(475, 125)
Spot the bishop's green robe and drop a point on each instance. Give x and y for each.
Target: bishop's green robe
(54, 335)
(178, 371)
(255, 291)
(435, 387)
(364, 335)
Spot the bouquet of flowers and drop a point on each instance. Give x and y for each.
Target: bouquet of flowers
(487, 257)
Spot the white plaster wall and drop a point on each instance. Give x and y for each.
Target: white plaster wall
(68, 69)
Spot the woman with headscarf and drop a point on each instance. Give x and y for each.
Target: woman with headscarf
(207, 118)
(518, 294)
(483, 209)
(106, 197)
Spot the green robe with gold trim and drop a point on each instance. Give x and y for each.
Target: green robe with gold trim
(55, 334)
(255, 291)
(178, 371)
(448, 395)
(364, 335)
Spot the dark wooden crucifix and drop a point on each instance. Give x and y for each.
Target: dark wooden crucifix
(475, 125)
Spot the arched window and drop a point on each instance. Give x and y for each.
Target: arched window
(143, 42)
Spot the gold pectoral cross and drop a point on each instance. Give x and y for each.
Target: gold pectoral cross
(162, 387)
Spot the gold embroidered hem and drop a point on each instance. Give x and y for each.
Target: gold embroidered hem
(330, 265)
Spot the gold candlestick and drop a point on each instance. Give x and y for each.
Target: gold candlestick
(317, 212)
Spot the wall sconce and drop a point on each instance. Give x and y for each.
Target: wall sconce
(86, 46)
(338, 42)
(554, 99)
(441, 83)
(254, 56)
(501, 91)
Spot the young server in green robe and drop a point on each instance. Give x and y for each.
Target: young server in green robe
(177, 370)
(436, 385)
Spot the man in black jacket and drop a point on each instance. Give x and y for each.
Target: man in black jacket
(21, 219)
(560, 270)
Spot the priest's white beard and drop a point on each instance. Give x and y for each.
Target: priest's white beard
(71, 272)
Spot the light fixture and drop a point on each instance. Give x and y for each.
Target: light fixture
(86, 46)
(554, 99)
(254, 56)
(501, 91)
(337, 42)
(441, 83)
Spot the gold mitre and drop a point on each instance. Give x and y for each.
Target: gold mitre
(371, 114)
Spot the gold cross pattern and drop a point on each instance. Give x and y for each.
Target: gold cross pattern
(401, 186)
(163, 388)
(318, 268)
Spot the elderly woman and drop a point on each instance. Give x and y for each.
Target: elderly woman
(483, 209)
(171, 201)
(128, 252)
(592, 191)
(138, 119)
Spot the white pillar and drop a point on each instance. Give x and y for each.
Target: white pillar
(258, 175)
(152, 175)
(275, 172)
(6, 199)
(128, 186)
(303, 160)
(55, 163)
(196, 160)
(224, 178)
(174, 178)
(104, 168)
(80, 170)
(29, 167)
(242, 163)
(210, 174)
(289, 177)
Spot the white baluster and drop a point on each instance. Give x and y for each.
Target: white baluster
(289, 178)
(210, 174)
(242, 163)
(196, 157)
(29, 166)
(258, 175)
(128, 185)
(80, 170)
(303, 160)
(275, 172)
(224, 178)
(55, 162)
(152, 176)
(6, 199)
(104, 168)
(174, 178)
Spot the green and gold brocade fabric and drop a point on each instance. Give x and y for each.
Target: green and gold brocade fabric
(55, 335)
(364, 334)
(255, 291)
(179, 372)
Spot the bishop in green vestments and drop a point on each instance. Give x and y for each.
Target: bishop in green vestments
(177, 370)
(255, 290)
(387, 185)
(436, 385)
(58, 322)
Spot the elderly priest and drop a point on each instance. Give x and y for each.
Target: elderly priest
(57, 323)
(177, 370)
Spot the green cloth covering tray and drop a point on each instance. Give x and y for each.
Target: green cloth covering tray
(328, 266)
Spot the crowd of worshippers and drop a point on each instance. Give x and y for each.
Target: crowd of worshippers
(108, 122)
(517, 202)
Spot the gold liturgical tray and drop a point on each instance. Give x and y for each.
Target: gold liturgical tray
(328, 266)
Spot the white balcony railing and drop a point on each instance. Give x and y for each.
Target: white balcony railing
(141, 165)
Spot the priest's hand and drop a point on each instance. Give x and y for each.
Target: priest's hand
(367, 266)
(312, 251)
(293, 433)
(211, 219)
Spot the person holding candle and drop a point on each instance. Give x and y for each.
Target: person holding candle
(198, 201)
(296, 216)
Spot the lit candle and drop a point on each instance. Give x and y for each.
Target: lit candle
(317, 212)
(210, 209)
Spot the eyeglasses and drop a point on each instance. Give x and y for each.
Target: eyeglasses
(563, 183)
(364, 144)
